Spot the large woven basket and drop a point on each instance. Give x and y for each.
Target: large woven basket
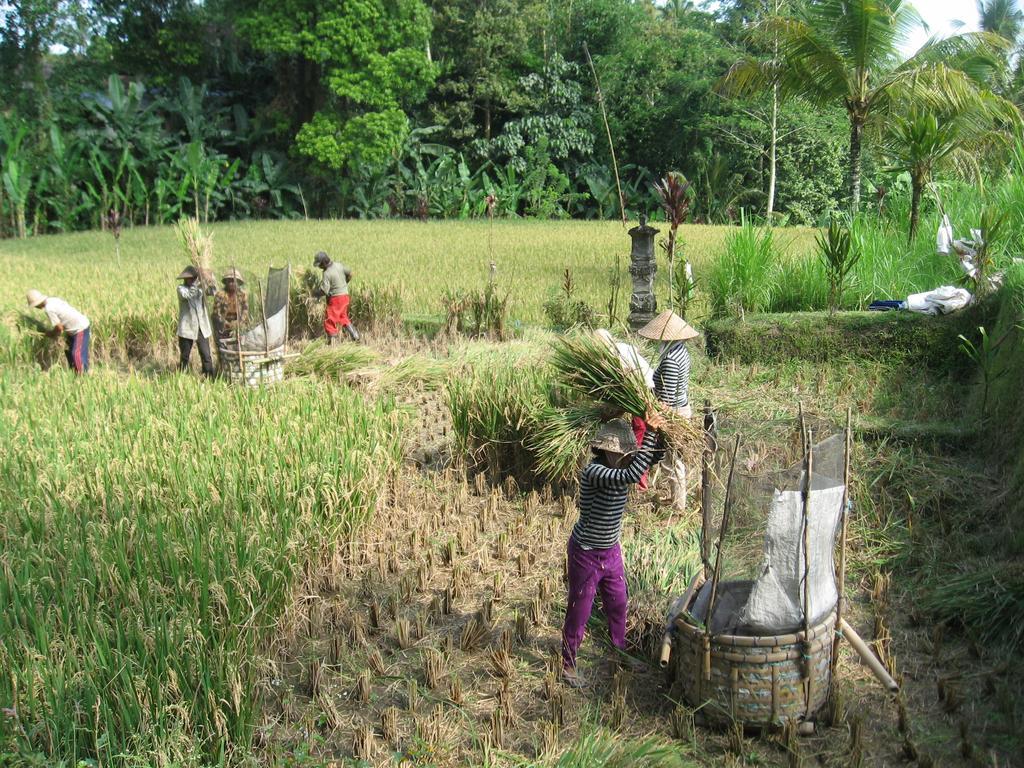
(753, 680)
(259, 372)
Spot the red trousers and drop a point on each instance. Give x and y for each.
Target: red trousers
(337, 315)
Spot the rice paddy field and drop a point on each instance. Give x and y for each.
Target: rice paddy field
(364, 564)
(420, 260)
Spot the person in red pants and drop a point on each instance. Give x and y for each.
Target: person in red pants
(594, 552)
(335, 288)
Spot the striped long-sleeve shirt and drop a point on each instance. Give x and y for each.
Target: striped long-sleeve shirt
(603, 492)
(672, 377)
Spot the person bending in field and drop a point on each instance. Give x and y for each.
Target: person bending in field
(594, 553)
(69, 321)
(230, 305)
(194, 320)
(335, 288)
(672, 386)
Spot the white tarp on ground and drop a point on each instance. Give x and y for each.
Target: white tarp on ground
(776, 599)
(941, 301)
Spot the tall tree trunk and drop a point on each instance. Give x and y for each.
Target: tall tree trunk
(917, 188)
(773, 147)
(856, 131)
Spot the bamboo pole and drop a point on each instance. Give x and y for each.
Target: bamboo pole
(841, 577)
(867, 656)
(608, 131)
(705, 487)
(726, 509)
(809, 472)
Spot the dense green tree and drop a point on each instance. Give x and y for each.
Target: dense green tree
(482, 49)
(359, 66)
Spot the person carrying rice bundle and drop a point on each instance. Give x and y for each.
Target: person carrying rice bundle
(193, 319)
(632, 361)
(672, 385)
(594, 552)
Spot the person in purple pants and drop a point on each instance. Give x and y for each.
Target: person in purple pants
(594, 553)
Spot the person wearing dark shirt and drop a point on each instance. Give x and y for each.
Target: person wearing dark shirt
(594, 553)
(672, 386)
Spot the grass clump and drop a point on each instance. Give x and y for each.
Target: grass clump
(987, 601)
(743, 280)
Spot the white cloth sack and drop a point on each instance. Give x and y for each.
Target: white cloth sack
(944, 237)
(257, 340)
(941, 301)
(776, 601)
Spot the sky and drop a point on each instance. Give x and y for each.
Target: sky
(941, 17)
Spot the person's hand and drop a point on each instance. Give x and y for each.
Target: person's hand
(655, 420)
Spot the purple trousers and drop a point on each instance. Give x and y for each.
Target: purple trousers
(590, 571)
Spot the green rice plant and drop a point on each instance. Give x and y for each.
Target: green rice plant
(565, 310)
(987, 600)
(744, 278)
(802, 287)
(591, 372)
(888, 268)
(561, 439)
(318, 359)
(415, 373)
(162, 529)
(494, 412)
(375, 307)
(661, 564)
(598, 748)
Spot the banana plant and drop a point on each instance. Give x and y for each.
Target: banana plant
(17, 183)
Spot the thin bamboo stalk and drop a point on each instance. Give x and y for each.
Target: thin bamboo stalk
(727, 508)
(705, 487)
(809, 471)
(608, 131)
(841, 577)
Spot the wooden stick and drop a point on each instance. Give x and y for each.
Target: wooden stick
(809, 469)
(867, 656)
(705, 488)
(718, 561)
(841, 578)
(608, 130)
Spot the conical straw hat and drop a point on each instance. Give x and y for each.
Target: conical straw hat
(668, 326)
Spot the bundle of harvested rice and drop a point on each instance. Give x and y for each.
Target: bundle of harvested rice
(561, 438)
(198, 246)
(595, 378)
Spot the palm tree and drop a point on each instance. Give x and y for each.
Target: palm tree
(1002, 17)
(917, 144)
(847, 52)
(920, 143)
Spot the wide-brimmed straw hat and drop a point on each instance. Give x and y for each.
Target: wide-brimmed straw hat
(668, 326)
(233, 274)
(616, 436)
(35, 298)
(188, 272)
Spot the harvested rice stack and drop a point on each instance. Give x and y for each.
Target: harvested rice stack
(602, 388)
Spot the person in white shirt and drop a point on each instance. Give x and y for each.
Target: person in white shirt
(69, 321)
(193, 320)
